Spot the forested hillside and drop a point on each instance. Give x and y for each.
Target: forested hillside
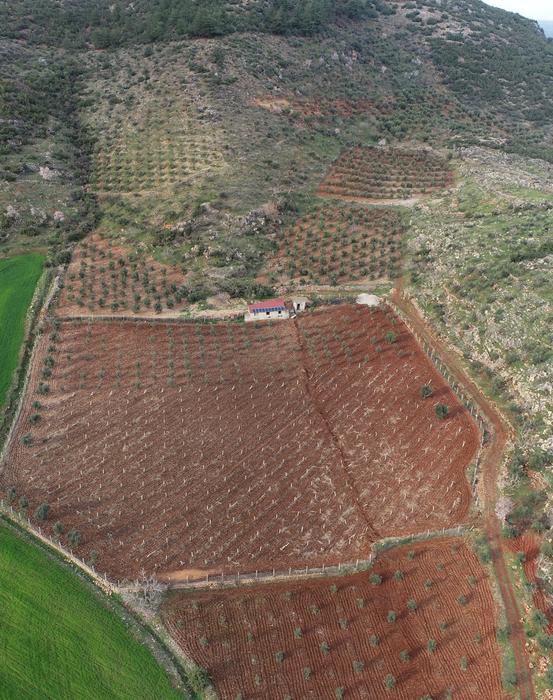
(157, 121)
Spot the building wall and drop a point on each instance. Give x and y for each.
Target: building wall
(263, 316)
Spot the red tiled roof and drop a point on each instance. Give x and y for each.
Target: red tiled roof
(266, 305)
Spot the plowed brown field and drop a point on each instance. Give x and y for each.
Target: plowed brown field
(239, 447)
(371, 173)
(308, 639)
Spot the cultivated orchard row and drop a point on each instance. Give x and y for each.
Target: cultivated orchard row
(154, 440)
(373, 173)
(154, 148)
(377, 392)
(337, 244)
(103, 277)
(418, 625)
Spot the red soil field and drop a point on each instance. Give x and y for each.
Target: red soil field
(231, 447)
(104, 278)
(375, 173)
(340, 244)
(308, 639)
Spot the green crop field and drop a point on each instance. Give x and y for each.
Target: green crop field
(59, 641)
(18, 278)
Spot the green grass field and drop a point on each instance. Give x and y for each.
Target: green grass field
(57, 640)
(18, 278)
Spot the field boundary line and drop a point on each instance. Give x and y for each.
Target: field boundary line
(222, 580)
(493, 458)
(101, 581)
(468, 402)
(33, 325)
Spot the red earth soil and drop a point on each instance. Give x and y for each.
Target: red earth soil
(105, 278)
(233, 447)
(268, 641)
(374, 173)
(492, 458)
(341, 243)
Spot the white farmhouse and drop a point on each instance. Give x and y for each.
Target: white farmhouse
(267, 310)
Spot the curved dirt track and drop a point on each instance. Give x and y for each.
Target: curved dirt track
(501, 434)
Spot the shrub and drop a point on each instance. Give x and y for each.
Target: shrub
(431, 646)
(540, 619)
(279, 657)
(375, 579)
(58, 528)
(442, 410)
(412, 605)
(41, 513)
(404, 655)
(74, 537)
(426, 391)
(390, 681)
(392, 616)
(325, 648)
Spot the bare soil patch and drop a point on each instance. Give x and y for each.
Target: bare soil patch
(239, 447)
(309, 638)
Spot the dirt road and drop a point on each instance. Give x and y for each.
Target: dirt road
(501, 435)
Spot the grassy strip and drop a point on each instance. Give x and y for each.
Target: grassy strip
(9, 409)
(18, 279)
(61, 638)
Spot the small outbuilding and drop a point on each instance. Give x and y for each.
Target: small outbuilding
(299, 304)
(368, 300)
(267, 310)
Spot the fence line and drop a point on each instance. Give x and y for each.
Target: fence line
(466, 400)
(101, 580)
(151, 320)
(222, 580)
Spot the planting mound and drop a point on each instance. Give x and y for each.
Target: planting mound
(104, 278)
(337, 637)
(385, 174)
(238, 447)
(340, 244)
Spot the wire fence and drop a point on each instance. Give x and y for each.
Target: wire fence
(465, 399)
(24, 522)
